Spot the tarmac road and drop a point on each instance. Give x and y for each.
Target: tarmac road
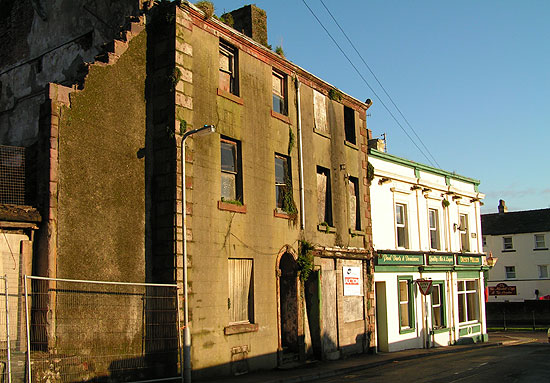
(522, 358)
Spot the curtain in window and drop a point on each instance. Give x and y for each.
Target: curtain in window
(240, 274)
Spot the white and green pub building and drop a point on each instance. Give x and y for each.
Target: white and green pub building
(428, 266)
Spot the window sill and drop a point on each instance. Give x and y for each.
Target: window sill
(406, 330)
(351, 145)
(441, 330)
(231, 207)
(326, 229)
(356, 233)
(540, 248)
(322, 133)
(230, 96)
(280, 116)
(280, 214)
(240, 328)
(509, 251)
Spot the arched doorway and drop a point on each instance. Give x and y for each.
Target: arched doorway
(288, 290)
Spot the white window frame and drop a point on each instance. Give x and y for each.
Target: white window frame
(464, 232)
(434, 230)
(507, 245)
(401, 226)
(465, 292)
(539, 244)
(510, 272)
(541, 268)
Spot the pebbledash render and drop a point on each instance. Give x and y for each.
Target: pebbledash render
(426, 232)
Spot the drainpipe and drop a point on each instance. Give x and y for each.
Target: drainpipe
(206, 129)
(300, 156)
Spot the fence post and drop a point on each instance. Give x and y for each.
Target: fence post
(28, 319)
(7, 327)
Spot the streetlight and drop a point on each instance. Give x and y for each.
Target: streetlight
(202, 131)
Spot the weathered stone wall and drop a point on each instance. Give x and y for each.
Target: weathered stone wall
(101, 203)
(48, 42)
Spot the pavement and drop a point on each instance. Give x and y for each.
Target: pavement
(325, 369)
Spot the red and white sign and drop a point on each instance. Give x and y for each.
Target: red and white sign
(424, 285)
(352, 280)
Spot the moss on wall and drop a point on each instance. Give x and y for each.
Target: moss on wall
(102, 187)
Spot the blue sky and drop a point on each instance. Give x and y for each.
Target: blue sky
(471, 77)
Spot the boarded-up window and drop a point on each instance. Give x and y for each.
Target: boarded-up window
(320, 112)
(241, 291)
(324, 202)
(228, 68)
(354, 206)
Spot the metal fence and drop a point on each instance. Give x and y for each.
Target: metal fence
(12, 175)
(101, 331)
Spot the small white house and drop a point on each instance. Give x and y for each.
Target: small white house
(520, 241)
(426, 227)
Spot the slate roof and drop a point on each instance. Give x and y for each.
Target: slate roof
(516, 222)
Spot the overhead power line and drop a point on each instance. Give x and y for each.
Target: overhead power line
(378, 81)
(366, 82)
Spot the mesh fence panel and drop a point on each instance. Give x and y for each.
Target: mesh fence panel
(98, 331)
(12, 175)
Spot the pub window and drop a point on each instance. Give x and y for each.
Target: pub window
(468, 301)
(439, 319)
(401, 225)
(406, 304)
(433, 216)
(510, 272)
(464, 233)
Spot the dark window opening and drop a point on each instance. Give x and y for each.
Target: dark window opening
(349, 125)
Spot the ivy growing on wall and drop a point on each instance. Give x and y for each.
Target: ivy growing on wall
(370, 172)
(305, 260)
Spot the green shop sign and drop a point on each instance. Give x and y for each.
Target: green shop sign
(400, 259)
(468, 260)
(441, 260)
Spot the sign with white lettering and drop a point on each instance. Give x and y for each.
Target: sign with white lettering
(352, 280)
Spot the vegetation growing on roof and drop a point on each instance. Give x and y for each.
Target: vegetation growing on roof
(207, 7)
(279, 51)
(335, 95)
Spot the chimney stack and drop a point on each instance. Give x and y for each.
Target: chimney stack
(502, 206)
(251, 21)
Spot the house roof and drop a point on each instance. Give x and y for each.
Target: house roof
(517, 222)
